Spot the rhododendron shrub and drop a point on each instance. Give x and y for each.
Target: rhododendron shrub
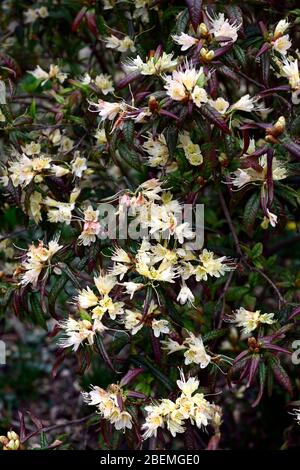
(117, 120)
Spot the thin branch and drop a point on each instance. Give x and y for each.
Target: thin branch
(230, 224)
(280, 298)
(57, 426)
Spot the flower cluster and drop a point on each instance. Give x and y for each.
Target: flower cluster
(188, 406)
(110, 405)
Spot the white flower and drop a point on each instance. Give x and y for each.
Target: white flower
(172, 346)
(245, 103)
(199, 96)
(195, 352)
(296, 414)
(132, 287)
(23, 169)
(185, 294)
(66, 144)
(59, 211)
(157, 150)
(192, 151)
(290, 70)
(211, 265)
(33, 148)
(35, 204)
(220, 105)
(106, 109)
(188, 406)
(122, 420)
(272, 218)
(104, 83)
(132, 321)
(37, 258)
(120, 255)
(43, 12)
(281, 27)
(188, 387)
(2, 117)
(79, 165)
(30, 15)
(91, 227)
(159, 327)
(187, 84)
(121, 45)
(153, 65)
(185, 40)
(240, 178)
(249, 321)
(100, 135)
(282, 44)
(105, 283)
(221, 28)
(106, 402)
(76, 332)
(54, 72)
(87, 298)
(243, 176)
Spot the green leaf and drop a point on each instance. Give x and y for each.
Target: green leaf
(250, 212)
(128, 131)
(214, 334)
(257, 250)
(38, 314)
(280, 374)
(145, 363)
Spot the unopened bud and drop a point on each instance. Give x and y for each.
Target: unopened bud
(280, 124)
(202, 28)
(153, 104)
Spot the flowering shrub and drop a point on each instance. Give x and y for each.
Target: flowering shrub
(119, 121)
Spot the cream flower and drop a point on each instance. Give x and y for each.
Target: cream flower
(132, 321)
(87, 298)
(187, 84)
(76, 332)
(173, 414)
(91, 227)
(121, 45)
(38, 258)
(290, 70)
(107, 404)
(211, 265)
(249, 321)
(184, 40)
(54, 73)
(79, 165)
(281, 27)
(195, 352)
(245, 103)
(104, 83)
(282, 44)
(185, 294)
(192, 151)
(221, 28)
(156, 149)
(159, 327)
(220, 105)
(106, 109)
(153, 65)
(244, 176)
